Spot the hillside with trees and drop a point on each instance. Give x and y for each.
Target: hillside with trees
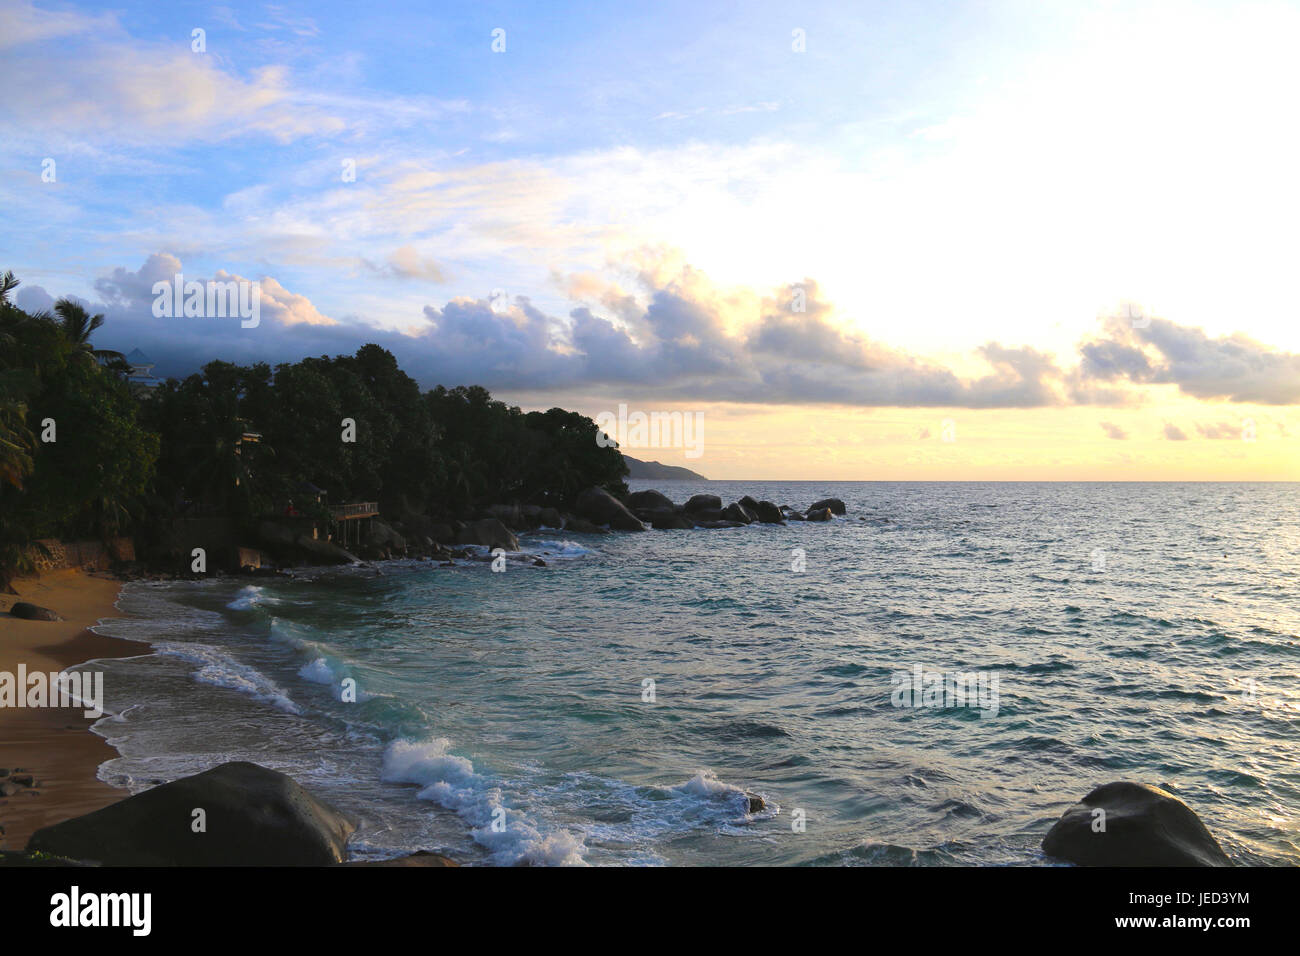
(243, 442)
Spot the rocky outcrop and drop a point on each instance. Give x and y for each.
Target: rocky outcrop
(596, 507)
(599, 506)
(649, 501)
(512, 516)
(320, 551)
(251, 816)
(289, 546)
(380, 535)
(489, 533)
(703, 503)
(669, 521)
(836, 506)
(33, 612)
(582, 525)
(549, 518)
(1133, 824)
(738, 512)
(420, 858)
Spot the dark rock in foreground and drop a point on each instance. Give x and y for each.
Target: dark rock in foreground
(599, 506)
(769, 513)
(420, 858)
(254, 817)
(819, 514)
(33, 612)
(1143, 826)
(16, 858)
(836, 506)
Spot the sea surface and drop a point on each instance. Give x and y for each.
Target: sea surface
(1146, 632)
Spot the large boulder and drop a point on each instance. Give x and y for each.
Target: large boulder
(489, 533)
(649, 501)
(379, 535)
(769, 513)
(252, 817)
(836, 506)
(703, 503)
(599, 506)
(669, 521)
(512, 516)
(818, 514)
(276, 536)
(33, 612)
(582, 525)
(1139, 825)
(320, 551)
(737, 512)
(550, 518)
(420, 858)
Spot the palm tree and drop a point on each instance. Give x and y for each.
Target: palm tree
(15, 440)
(79, 325)
(8, 282)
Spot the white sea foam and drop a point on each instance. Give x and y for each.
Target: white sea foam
(450, 781)
(318, 671)
(248, 598)
(221, 670)
(555, 548)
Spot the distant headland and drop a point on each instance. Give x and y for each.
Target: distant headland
(654, 471)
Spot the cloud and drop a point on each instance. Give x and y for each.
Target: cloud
(1234, 368)
(1113, 431)
(25, 24)
(33, 299)
(407, 263)
(101, 81)
(1174, 433)
(1219, 431)
(675, 337)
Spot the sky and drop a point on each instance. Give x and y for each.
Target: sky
(897, 241)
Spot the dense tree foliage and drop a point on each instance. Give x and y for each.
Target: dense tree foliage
(444, 452)
(74, 457)
(247, 441)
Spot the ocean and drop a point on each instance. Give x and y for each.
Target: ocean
(622, 704)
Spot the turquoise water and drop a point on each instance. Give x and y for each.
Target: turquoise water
(1135, 631)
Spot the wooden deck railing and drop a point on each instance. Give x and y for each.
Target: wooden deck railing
(361, 509)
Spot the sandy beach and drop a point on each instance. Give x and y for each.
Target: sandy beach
(54, 744)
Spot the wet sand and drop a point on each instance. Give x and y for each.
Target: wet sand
(55, 745)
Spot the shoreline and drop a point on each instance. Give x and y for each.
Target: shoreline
(55, 744)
